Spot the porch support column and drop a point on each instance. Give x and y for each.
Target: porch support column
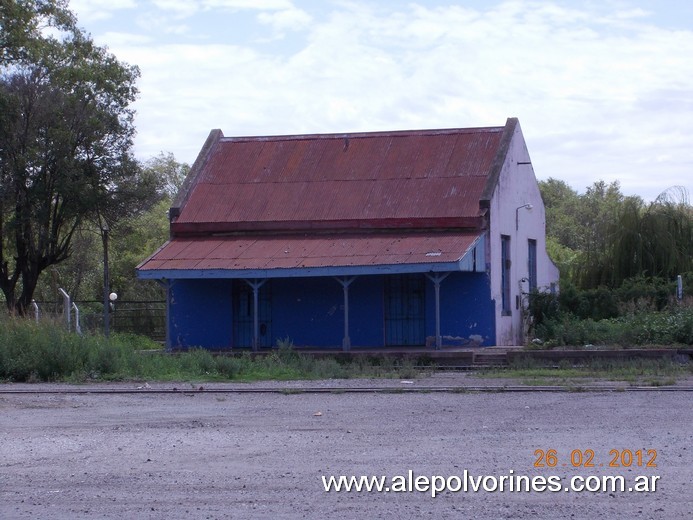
(345, 282)
(255, 285)
(167, 284)
(437, 279)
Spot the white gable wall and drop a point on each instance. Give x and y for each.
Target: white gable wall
(516, 187)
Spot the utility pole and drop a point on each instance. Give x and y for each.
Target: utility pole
(106, 284)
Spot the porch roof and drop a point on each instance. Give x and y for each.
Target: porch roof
(282, 256)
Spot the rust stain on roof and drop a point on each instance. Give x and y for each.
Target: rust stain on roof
(382, 178)
(282, 252)
(334, 200)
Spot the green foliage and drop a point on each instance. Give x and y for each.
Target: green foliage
(22, 27)
(642, 311)
(656, 372)
(603, 238)
(169, 172)
(66, 130)
(566, 259)
(578, 228)
(618, 258)
(654, 240)
(132, 240)
(46, 352)
(670, 327)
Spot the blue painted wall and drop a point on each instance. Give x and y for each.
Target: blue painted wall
(367, 312)
(466, 309)
(200, 314)
(310, 311)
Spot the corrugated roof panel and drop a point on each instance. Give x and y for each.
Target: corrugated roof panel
(290, 251)
(262, 249)
(399, 175)
(170, 250)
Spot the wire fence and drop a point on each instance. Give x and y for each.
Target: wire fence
(146, 318)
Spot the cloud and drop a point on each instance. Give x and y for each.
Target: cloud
(93, 10)
(601, 94)
(286, 19)
(177, 8)
(262, 5)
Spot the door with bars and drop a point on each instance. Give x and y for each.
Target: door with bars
(405, 310)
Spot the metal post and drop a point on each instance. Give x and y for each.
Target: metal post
(345, 283)
(256, 323)
(437, 279)
(78, 327)
(106, 284)
(67, 306)
(166, 284)
(37, 313)
(255, 285)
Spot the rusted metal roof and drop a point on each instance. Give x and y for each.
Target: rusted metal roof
(296, 252)
(405, 179)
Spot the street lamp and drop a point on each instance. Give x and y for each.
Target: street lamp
(517, 214)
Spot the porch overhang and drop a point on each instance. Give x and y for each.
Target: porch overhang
(291, 256)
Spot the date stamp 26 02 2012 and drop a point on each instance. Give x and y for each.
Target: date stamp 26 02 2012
(617, 458)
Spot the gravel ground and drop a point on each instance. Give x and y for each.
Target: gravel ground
(205, 455)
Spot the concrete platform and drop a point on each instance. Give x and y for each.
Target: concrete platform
(461, 357)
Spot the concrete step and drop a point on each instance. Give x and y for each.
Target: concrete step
(490, 359)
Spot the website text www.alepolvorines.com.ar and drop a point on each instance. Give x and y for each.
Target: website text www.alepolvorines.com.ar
(469, 483)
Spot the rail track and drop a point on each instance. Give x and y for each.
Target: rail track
(351, 390)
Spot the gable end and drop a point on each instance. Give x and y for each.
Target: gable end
(191, 179)
(497, 166)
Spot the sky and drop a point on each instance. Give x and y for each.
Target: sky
(603, 89)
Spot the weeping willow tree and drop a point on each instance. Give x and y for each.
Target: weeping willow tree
(598, 210)
(654, 240)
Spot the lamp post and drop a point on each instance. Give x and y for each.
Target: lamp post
(106, 291)
(517, 214)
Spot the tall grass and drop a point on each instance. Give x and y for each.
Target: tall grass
(673, 326)
(46, 352)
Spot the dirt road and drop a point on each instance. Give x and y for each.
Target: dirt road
(216, 455)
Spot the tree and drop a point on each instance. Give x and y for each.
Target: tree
(132, 239)
(602, 238)
(66, 130)
(23, 24)
(654, 240)
(169, 172)
(599, 208)
(562, 204)
(137, 237)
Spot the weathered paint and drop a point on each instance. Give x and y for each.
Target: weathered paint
(370, 205)
(516, 187)
(282, 256)
(310, 312)
(466, 310)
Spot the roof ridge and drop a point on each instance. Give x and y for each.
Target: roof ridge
(361, 135)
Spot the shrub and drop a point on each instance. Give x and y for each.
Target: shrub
(674, 326)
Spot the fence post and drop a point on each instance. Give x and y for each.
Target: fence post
(66, 307)
(37, 312)
(78, 327)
